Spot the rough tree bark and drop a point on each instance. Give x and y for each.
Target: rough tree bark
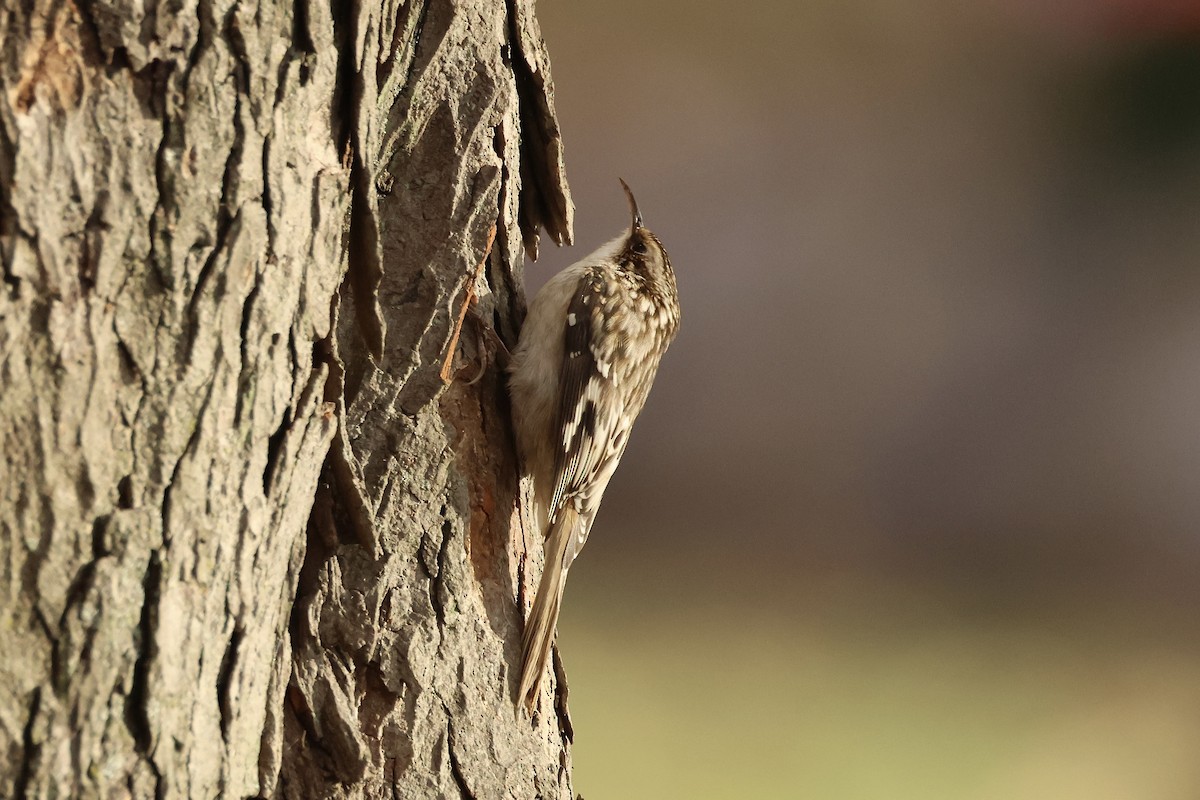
(250, 544)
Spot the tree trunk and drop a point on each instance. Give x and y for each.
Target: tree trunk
(252, 544)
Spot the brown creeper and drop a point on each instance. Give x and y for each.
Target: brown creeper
(580, 375)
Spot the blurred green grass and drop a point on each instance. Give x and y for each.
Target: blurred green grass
(855, 687)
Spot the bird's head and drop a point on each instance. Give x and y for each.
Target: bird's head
(640, 252)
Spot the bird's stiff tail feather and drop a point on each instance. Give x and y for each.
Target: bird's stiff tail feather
(541, 625)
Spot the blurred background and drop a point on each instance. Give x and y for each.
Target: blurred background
(913, 511)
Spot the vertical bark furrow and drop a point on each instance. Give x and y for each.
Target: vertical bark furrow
(364, 268)
(136, 706)
(545, 200)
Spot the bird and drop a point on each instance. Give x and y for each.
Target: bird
(586, 356)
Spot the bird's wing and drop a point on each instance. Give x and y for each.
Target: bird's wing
(591, 424)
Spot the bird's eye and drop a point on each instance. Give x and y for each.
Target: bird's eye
(639, 247)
